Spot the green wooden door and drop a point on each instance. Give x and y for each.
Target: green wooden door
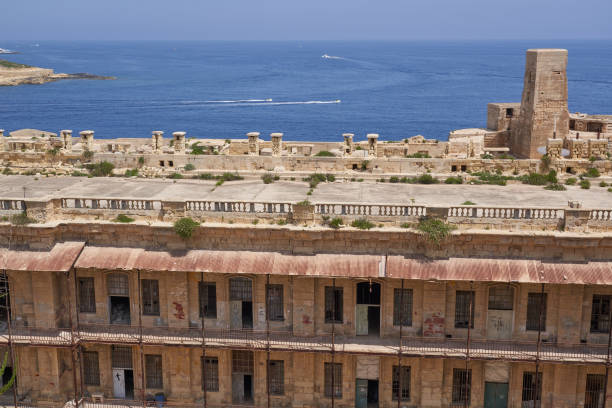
(496, 395)
(361, 394)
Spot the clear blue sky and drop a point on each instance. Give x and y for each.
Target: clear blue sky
(304, 19)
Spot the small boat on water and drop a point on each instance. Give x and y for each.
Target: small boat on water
(325, 56)
(5, 51)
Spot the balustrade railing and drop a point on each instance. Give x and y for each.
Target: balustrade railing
(506, 212)
(601, 215)
(121, 204)
(362, 209)
(239, 206)
(12, 205)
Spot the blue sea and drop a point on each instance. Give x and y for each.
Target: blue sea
(225, 89)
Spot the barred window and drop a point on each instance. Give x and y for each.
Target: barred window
(277, 377)
(534, 300)
(462, 309)
(275, 303)
(462, 386)
(241, 289)
(150, 297)
(531, 392)
(404, 389)
(208, 299)
(242, 362)
(333, 370)
(594, 392)
(91, 368)
(118, 284)
(333, 304)
(87, 295)
(210, 373)
(121, 357)
(501, 297)
(402, 307)
(153, 370)
(600, 314)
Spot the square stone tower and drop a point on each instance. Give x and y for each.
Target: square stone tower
(544, 102)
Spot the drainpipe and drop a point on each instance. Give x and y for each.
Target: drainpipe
(72, 343)
(78, 325)
(537, 362)
(10, 335)
(203, 339)
(142, 372)
(268, 338)
(467, 345)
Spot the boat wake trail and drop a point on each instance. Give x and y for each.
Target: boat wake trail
(332, 57)
(255, 102)
(226, 101)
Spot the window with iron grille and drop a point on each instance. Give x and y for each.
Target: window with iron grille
(277, 377)
(531, 391)
(87, 295)
(275, 303)
(91, 368)
(501, 298)
(462, 385)
(241, 289)
(333, 371)
(462, 309)
(117, 284)
(242, 362)
(208, 299)
(153, 370)
(333, 304)
(600, 314)
(402, 307)
(405, 383)
(594, 392)
(121, 357)
(534, 300)
(150, 297)
(210, 373)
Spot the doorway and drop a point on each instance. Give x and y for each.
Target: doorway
(496, 395)
(242, 377)
(500, 312)
(366, 393)
(123, 383)
(241, 303)
(367, 309)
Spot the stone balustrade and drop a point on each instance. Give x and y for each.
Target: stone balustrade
(463, 216)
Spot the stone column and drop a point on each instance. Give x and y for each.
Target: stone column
(87, 138)
(348, 143)
(2, 147)
(179, 142)
(253, 143)
(373, 144)
(158, 141)
(66, 139)
(553, 148)
(277, 143)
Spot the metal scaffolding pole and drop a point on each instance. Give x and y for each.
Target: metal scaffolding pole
(142, 373)
(333, 350)
(10, 335)
(399, 351)
(268, 338)
(202, 312)
(78, 326)
(467, 347)
(605, 390)
(72, 343)
(537, 402)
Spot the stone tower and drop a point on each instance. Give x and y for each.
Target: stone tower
(544, 102)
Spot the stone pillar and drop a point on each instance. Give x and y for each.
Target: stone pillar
(87, 138)
(158, 141)
(179, 142)
(544, 102)
(373, 144)
(253, 143)
(348, 144)
(66, 139)
(2, 147)
(277, 143)
(553, 148)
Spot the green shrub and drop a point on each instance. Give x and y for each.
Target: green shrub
(230, 177)
(359, 180)
(394, 179)
(267, 178)
(382, 180)
(453, 180)
(537, 179)
(434, 229)
(330, 177)
(418, 155)
(324, 153)
(610, 190)
(585, 184)
(485, 177)
(123, 218)
(87, 155)
(315, 179)
(22, 219)
(185, 227)
(255, 221)
(302, 203)
(131, 173)
(486, 156)
(77, 173)
(53, 152)
(189, 167)
(197, 149)
(603, 184)
(141, 161)
(571, 181)
(282, 221)
(427, 179)
(364, 164)
(176, 176)
(336, 223)
(592, 173)
(362, 224)
(468, 202)
(555, 187)
(592, 159)
(405, 225)
(102, 169)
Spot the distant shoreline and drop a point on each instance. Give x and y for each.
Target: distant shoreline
(14, 74)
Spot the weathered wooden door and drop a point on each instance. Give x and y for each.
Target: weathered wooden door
(118, 383)
(236, 314)
(361, 393)
(237, 388)
(500, 312)
(496, 395)
(361, 319)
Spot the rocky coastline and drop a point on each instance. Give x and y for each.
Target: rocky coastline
(13, 74)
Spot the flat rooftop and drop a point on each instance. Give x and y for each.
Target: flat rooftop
(515, 195)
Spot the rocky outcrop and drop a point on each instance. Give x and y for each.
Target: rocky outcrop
(33, 75)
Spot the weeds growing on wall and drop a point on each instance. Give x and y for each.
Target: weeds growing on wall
(555, 187)
(325, 153)
(102, 169)
(123, 219)
(571, 181)
(336, 223)
(185, 227)
(435, 229)
(22, 219)
(362, 224)
(592, 173)
(453, 180)
(189, 167)
(131, 173)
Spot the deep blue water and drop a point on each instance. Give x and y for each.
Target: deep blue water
(397, 89)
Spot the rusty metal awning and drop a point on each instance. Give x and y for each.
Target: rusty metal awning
(251, 262)
(60, 258)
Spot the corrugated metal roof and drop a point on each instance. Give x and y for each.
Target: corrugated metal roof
(252, 262)
(58, 259)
